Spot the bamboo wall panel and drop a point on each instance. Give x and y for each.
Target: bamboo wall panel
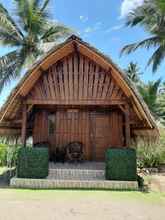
(70, 126)
(76, 78)
(40, 128)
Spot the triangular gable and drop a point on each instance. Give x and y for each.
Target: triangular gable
(74, 44)
(76, 79)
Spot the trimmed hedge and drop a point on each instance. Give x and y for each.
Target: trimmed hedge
(121, 164)
(32, 163)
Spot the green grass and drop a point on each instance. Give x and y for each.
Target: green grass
(151, 197)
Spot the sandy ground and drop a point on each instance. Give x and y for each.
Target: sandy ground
(81, 205)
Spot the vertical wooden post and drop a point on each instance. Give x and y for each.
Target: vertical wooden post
(127, 125)
(24, 125)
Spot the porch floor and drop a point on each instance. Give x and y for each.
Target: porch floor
(87, 165)
(86, 175)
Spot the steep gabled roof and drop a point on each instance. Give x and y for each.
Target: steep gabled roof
(58, 52)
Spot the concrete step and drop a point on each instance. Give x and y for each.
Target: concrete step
(72, 184)
(86, 165)
(76, 174)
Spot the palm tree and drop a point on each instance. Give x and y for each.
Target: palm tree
(150, 94)
(133, 72)
(161, 4)
(161, 103)
(152, 19)
(26, 30)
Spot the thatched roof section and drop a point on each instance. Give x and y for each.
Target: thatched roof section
(13, 103)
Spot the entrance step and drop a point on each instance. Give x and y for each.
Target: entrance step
(72, 184)
(86, 165)
(76, 174)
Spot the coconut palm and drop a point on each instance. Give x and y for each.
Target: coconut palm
(161, 4)
(150, 94)
(133, 72)
(161, 103)
(152, 19)
(26, 30)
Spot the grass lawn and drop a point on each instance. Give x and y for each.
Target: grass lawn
(27, 194)
(80, 204)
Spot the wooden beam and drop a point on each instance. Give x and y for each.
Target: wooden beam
(75, 102)
(127, 125)
(29, 108)
(24, 125)
(122, 109)
(75, 47)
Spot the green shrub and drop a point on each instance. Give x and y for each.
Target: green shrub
(8, 155)
(150, 154)
(3, 155)
(121, 164)
(12, 156)
(32, 163)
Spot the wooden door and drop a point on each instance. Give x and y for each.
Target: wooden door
(99, 135)
(105, 131)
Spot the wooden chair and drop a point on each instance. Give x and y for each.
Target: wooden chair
(74, 152)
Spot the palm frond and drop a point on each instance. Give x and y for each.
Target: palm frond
(151, 17)
(156, 58)
(31, 18)
(9, 38)
(55, 32)
(45, 4)
(147, 43)
(6, 60)
(8, 23)
(133, 19)
(10, 67)
(150, 93)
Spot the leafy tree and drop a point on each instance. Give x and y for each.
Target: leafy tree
(133, 72)
(26, 30)
(152, 18)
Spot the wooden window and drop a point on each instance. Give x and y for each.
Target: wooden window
(51, 124)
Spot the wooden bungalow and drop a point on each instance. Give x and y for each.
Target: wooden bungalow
(75, 93)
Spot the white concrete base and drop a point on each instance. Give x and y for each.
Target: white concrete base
(72, 184)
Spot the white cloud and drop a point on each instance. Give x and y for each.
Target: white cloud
(129, 5)
(93, 28)
(83, 18)
(89, 29)
(114, 28)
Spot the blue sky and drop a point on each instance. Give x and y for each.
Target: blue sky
(101, 23)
